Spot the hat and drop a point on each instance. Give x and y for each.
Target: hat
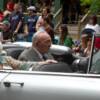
(31, 8)
(6, 22)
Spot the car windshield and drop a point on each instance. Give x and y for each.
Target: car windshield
(67, 60)
(95, 61)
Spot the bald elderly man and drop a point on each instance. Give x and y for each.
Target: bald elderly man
(39, 51)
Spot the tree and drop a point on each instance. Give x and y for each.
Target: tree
(95, 7)
(85, 2)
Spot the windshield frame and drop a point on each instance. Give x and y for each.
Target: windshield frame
(92, 52)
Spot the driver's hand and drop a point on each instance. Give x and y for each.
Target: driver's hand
(47, 62)
(50, 61)
(15, 32)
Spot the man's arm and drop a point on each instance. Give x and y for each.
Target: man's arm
(26, 29)
(12, 62)
(18, 27)
(21, 65)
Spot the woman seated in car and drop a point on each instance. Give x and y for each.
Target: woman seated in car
(84, 48)
(87, 51)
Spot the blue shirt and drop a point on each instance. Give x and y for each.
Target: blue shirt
(15, 18)
(31, 22)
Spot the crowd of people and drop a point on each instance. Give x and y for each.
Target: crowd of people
(38, 28)
(18, 26)
(21, 27)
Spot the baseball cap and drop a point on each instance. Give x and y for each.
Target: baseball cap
(6, 22)
(33, 8)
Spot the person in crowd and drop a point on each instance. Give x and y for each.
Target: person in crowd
(93, 24)
(10, 5)
(50, 31)
(46, 25)
(41, 4)
(87, 51)
(4, 27)
(41, 19)
(6, 14)
(30, 23)
(45, 12)
(39, 51)
(50, 20)
(22, 7)
(1, 15)
(16, 21)
(9, 9)
(47, 3)
(64, 36)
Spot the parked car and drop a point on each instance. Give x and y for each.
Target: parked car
(39, 85)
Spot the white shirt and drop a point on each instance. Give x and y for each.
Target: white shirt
(96, 27)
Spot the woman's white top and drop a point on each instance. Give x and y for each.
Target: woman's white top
(96, 27)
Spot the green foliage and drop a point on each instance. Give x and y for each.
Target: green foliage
(85, 2)
(95, 6)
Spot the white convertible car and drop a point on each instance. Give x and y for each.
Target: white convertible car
(46, 85)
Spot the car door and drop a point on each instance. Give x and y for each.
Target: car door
(25, 85)
(3, 75)
(49, 86)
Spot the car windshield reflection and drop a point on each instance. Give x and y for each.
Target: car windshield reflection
(95, 62)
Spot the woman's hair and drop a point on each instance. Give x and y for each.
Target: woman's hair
(48, 2)
(48, 18)
(47, 9)
(64, 28)
(94, 19)
(64, 33)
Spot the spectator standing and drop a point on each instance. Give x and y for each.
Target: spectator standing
(1, 16)
(41, 4)
(9, 10)
(47, 26)
(10, 5)
(50, 20)
(93, 24)
(45, 13)
(4, 27)
(30, 23)
(16, 21)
